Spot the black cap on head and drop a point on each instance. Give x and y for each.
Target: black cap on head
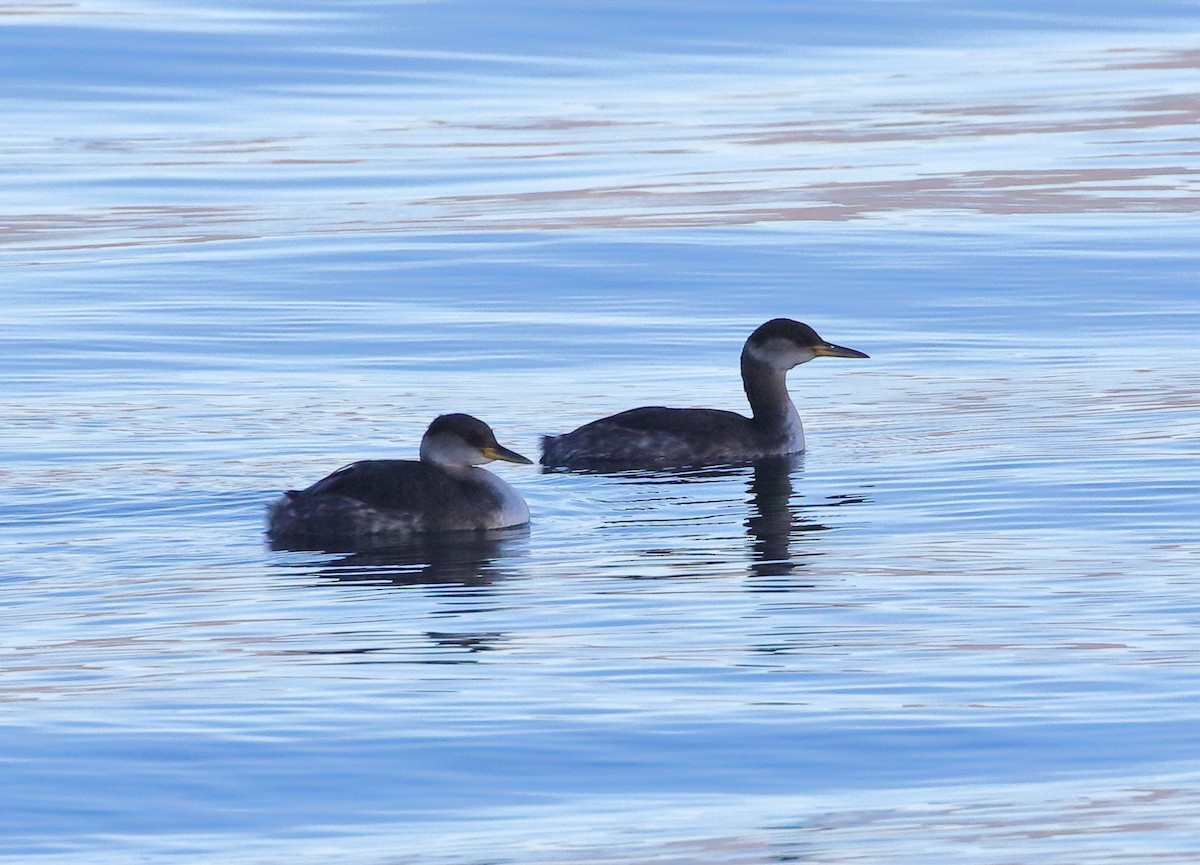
(470, 429)
(786, 328)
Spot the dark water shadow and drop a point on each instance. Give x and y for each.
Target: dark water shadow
(779, 534)
(469, 559)
(782, 528)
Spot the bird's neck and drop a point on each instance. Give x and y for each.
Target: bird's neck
(454, 469)
(770, 403)
(511, 509)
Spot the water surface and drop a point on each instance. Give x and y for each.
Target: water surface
(243, 245)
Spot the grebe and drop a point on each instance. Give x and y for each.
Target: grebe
(656, 436)
(380, 498)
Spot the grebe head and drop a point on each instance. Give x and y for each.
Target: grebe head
(782, 344)
(459, 440)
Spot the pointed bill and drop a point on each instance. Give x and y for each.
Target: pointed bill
(828, 349)
(500, 452)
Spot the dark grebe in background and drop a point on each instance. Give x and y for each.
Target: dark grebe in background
(657, 436)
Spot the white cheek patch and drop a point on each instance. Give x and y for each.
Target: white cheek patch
(781, 354)
(450, 451)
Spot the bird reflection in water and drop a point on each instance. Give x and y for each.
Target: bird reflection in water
(772, 521)
(781, 532)
(781, 527)
(469, 559)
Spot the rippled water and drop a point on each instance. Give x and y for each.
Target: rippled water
(242, 245)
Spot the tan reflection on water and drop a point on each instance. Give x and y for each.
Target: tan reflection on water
(1035, 192)
(1097, 132)
(1008, 826)
(126, 226)
(1178, 59)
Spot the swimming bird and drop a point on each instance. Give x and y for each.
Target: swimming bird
(374, 499)
(655, 436)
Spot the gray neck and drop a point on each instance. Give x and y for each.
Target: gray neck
(511, 510)
(770, 402)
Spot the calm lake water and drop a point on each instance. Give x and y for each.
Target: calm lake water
(242, 244)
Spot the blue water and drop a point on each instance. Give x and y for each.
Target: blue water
(244, 244)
